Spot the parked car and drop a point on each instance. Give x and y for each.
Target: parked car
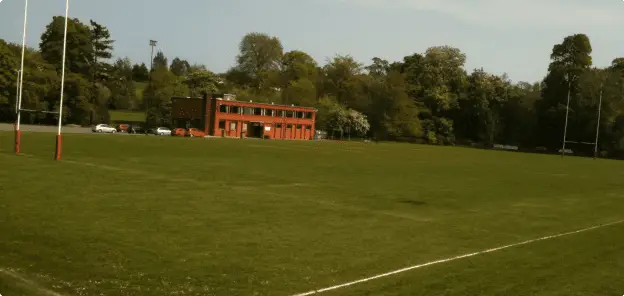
(180, 132)
(136, 129)
(161, 131)
(123, 128)
(193, 132)
(103, 128)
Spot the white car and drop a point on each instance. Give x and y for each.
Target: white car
(162, 131)
(103, 128)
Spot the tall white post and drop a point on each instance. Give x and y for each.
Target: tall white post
(18, 133)
(60, 113)
(17, 88)
(21, 79)
(565, 127)
(598, 125)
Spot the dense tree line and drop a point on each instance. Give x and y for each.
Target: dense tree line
(427, 97)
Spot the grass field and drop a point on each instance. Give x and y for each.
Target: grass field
(143, 215)
(126, 116)
(139, 88)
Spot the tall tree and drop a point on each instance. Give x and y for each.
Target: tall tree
(300, 92)
(80, 49)
(259, 57)
(298, 77)
(160, 61)
(394, 115)
(344, 79)
(180, 67)
(164, 86)
(436, 80)
(102, 51)
(102, 48)
(379, 67)
(201, 82)
(40, 86)
(140, 73)
(297, 65)
(569, 60)
(479, 117)
(8, 78)
(122, 87)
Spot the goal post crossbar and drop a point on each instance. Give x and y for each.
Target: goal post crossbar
(39, 111)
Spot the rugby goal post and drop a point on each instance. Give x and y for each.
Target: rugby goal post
(565, 129)
(19, 109)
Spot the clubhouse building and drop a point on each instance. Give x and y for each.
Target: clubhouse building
(221, 115)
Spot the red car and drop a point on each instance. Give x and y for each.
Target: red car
(180, 132)
(193, 132)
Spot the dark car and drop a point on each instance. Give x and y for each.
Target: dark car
(136, 129)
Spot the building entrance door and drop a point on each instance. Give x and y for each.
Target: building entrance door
(256, 130)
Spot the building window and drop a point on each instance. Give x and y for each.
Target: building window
(223, 108)
(289, 126)
(244, 126)
(233, 126)
(248, 111)
(280, 113)
(268, 112)
(257, 111)
(235, 109)
(299, 126)
(279, 125)
(221, 124)
(289, 113)
(308, 115)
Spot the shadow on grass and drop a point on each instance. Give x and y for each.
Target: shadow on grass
(412, 202)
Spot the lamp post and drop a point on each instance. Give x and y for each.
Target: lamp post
(152, 43)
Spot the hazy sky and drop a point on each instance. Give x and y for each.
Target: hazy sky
(515, 37)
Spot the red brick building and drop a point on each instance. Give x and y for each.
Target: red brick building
(221, 115)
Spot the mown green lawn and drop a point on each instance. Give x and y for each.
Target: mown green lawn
(126, 116)
(146, 215)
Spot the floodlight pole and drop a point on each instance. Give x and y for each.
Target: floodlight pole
(565, 127)
(152, 43)
(57, 155)
(18, 132)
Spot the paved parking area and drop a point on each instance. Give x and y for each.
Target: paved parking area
(45, 128)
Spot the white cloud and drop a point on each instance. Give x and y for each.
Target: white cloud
(526, 13)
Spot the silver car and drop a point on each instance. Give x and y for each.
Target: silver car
(161, 131)
(103, 128)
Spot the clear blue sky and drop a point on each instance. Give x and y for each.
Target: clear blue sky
(515, 37)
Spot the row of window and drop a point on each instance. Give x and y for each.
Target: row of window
(264, 112)
(233, 125)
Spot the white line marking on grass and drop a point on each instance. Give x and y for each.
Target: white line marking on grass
(455, 258)
(32, 285)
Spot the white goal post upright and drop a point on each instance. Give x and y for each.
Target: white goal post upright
(598, 125)
(59, 140)
(18, 109)
(565, 128)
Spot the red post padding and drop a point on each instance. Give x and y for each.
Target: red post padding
(18, 141)
(59, 145)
